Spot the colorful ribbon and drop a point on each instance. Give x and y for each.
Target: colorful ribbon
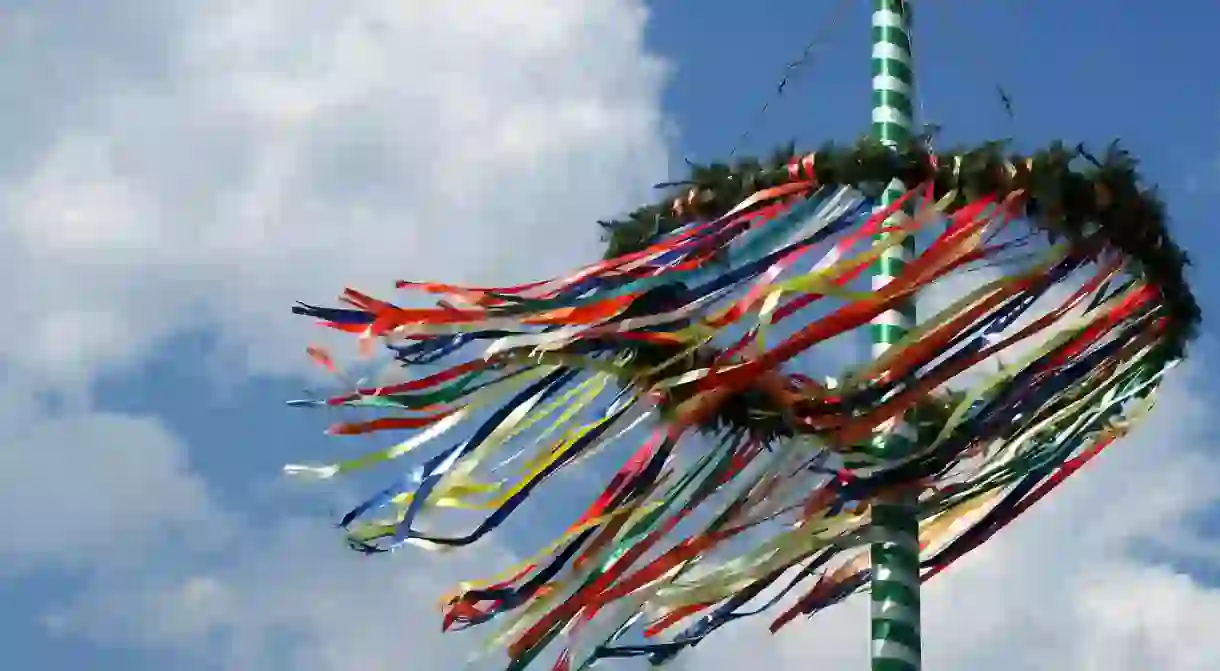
(696, 529)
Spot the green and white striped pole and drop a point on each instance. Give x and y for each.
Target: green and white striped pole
(895, 553)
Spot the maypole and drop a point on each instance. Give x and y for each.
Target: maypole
(537, 377)
(895, 551)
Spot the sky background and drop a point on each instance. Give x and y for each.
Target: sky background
(175, 174)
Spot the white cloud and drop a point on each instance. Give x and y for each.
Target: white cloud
(188, 165)
(292, 599)
(82, 488)
(208, 163)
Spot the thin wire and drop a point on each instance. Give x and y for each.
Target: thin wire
(824, 38)
(988, 69)
(919, 98)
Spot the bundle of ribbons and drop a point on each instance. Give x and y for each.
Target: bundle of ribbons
(644, 351)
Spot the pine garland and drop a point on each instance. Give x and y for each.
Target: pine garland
(1067, 194)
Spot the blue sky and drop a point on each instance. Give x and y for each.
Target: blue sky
(177, 173)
